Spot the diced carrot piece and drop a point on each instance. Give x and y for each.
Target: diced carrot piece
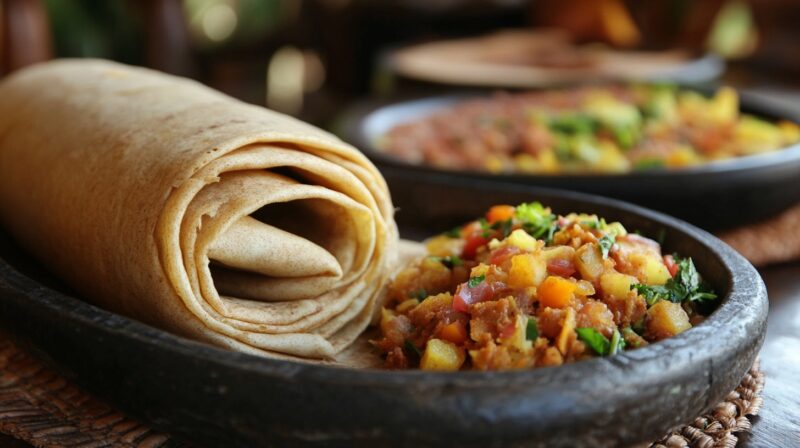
(454, 332)
(500, 213)
(555, 292)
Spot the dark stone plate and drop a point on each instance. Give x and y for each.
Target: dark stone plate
(714, 196)
(215, 397)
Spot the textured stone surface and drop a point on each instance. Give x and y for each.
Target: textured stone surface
(217, 397)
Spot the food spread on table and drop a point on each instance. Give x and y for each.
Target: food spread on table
(595, 129)
(524, 288)
(158, 198)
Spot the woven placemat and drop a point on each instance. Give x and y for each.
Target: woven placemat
(40, 407)
(775, 240)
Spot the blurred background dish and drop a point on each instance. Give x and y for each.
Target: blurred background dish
(717, 195)
(612, 129)
(536, 58)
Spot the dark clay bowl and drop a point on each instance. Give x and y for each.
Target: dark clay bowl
(715, 196)
(214, 397)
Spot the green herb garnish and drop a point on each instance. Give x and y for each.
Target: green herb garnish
(594, 339)
(591, 223)
(485, 227)
(685, 286)
(531, 329)
(651, 294)
(599, 343)
(475, 281)
(617, 343)
(537, 220)
(573, 124)
(606, 243)
(412, 349)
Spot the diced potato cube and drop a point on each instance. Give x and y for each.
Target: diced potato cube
(522, 240)
(790, 131)
(651, 269)
(494, 164)
(526, 270)
(558, 253)
(555, 292)
(724, 107)
(666, 319)
(434, 303)
(611, 159)
(616, 285)
(616, 228)
(548, 161)
(589, 261)
(584, 288)
(479, 270)
(442, 355)
(682, 156)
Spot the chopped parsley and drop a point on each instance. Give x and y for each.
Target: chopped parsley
(537, 220)
(685, 286)
(485, 227)
(606, 243)
(413, 349)
(531, 329)
(594, 339)
(599, 343)
(617, 343)
(475, 281)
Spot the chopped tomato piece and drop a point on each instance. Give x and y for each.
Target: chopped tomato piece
(561, 267)
(466, 296)
(500, 213)
(503, 254)
(672, 267)
(472, 245)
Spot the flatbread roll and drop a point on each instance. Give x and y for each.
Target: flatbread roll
(161, 199)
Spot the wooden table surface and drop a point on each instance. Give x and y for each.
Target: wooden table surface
(778, 424)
